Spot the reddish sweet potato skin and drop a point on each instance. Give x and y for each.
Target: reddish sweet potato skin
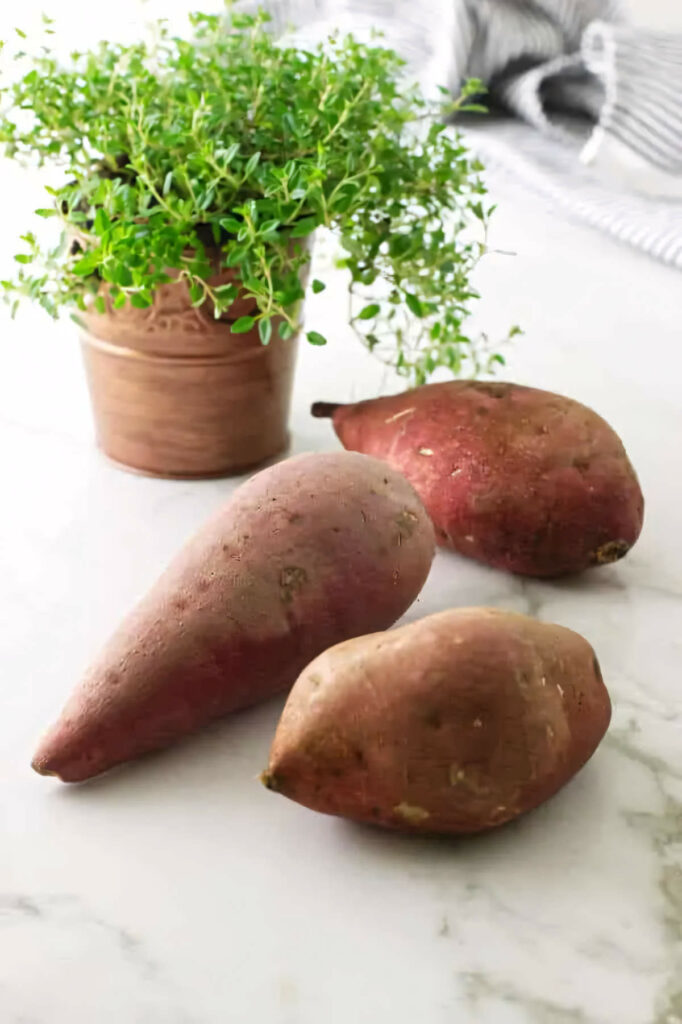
(305, 554)
(455, 724)
(521, 479)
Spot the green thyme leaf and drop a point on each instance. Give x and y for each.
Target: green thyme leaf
(243, 324)
(315, 338)
(265, 331)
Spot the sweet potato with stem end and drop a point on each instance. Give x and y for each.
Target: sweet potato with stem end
(456, 723)
(307, 553)
(520, 479)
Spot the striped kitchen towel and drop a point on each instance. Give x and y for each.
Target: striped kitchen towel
(597, 102)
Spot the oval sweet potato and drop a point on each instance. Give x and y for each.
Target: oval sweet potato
(306, 553)
(521, 479)
(456, 723)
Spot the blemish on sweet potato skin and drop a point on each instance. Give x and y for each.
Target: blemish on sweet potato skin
(456, 723)
(433, 718)
(610, 552)
(270, 781)
(410, 813)
(291, 579)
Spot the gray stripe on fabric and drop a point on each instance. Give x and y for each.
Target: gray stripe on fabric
(643, 96)
(642, 143)
(661, 108)
(666, 137)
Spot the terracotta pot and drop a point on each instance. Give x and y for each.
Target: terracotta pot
(176, 394)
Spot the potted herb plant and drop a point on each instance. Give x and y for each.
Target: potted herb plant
(190, 175)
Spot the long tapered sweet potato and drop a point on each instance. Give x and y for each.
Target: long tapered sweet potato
(521, 479)
(307, 553)
(456, 723)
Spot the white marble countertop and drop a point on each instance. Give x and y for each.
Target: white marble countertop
(179, 891)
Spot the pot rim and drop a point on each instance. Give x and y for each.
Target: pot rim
(201, 359)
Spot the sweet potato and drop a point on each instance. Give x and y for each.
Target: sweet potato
(456, 723)
(521, 479)
(307, 553)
